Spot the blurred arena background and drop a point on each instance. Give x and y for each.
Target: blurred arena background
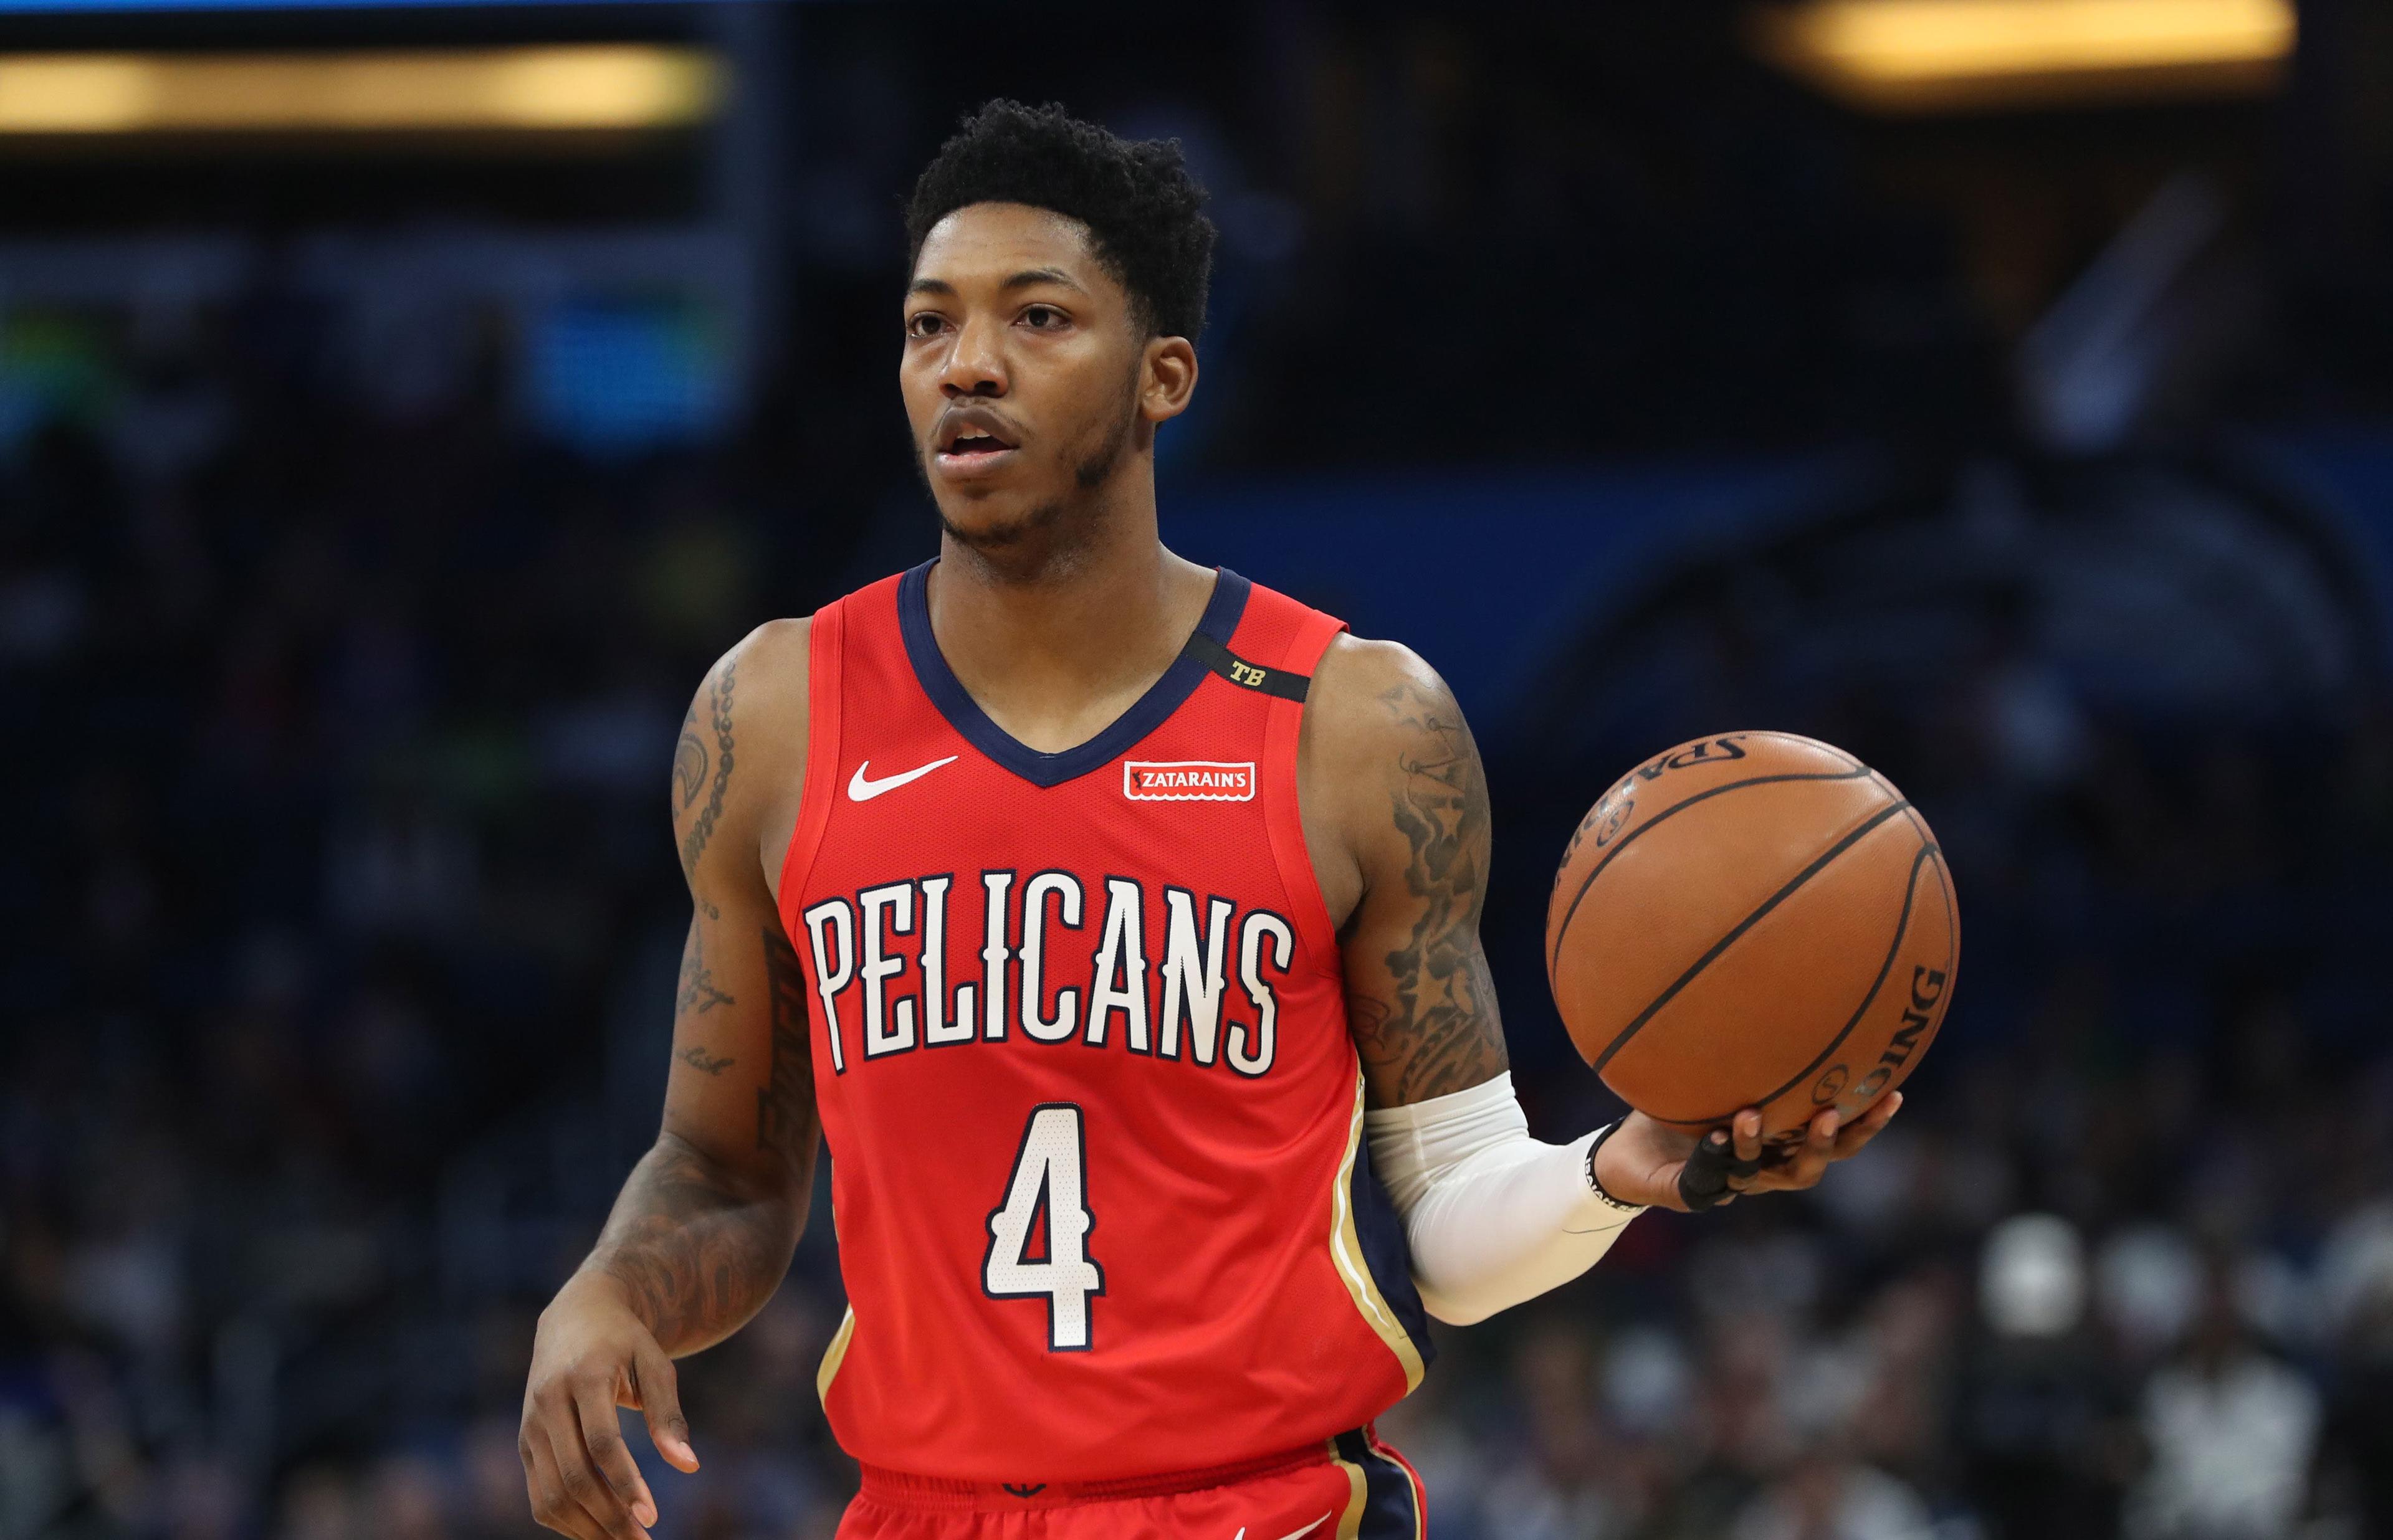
(399, 407)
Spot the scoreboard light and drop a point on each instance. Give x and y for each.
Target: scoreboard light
(1939, 54)
(597, 86)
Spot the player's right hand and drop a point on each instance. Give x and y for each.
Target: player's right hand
(592, 1355)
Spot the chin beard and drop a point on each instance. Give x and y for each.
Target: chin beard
(993, 539)
(1058, 529)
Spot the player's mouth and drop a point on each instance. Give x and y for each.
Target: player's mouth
(974, 440)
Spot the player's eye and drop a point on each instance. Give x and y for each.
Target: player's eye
(1042, 317)
(923, 324)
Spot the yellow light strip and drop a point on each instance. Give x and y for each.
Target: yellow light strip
(597, 87)
(1903, 55)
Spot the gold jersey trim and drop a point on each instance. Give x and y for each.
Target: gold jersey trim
(1358, 1489)
(1346, 1250)
(833, 1356)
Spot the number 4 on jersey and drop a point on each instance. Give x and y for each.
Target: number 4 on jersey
(1051, 1171)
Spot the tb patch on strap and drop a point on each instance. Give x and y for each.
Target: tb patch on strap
(1246, 676)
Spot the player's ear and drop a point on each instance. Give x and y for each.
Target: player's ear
(1168, 378)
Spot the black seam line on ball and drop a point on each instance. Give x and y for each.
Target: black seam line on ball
(1902, 929)
(1856, 773)
(1819, 864)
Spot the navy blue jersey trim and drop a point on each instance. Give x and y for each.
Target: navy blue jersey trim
(1386, 1252)
(1149, 712)
(1389, 1512)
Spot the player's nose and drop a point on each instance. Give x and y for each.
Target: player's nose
(975, 365)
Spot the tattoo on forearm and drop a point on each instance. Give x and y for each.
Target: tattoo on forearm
(1441, 1033)
(785, 1105)
(696, 1255)
(700, 1247)
(693, 845)
(698, 994)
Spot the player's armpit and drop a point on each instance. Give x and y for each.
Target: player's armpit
(1406, 808)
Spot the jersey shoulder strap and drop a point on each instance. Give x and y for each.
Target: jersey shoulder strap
(1277, 646)
(1245, 673)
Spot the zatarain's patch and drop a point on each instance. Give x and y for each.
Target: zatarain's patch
(1187, 781)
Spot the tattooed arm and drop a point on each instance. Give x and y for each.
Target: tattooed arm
(1395, 813)
(703, 1230)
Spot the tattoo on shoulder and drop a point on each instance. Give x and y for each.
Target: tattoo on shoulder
(689, 763)
(1441, 1033)
(696, 1058)
(693, 845)
(785, 1103)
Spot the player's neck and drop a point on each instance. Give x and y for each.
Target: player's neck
(1054, 653)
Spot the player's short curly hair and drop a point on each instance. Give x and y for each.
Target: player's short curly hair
(1145, 214)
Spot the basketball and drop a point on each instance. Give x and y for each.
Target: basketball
(1752, 920)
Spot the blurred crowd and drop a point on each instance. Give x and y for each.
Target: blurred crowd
(341, 919)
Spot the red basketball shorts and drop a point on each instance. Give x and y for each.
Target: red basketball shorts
(1352, 1487)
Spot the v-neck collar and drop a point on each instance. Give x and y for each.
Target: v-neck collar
(1144, 715)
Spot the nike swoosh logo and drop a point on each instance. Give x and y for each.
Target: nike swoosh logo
(862, 787)
(1291, 1534)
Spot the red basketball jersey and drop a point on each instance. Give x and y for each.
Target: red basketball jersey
(1079, 1043)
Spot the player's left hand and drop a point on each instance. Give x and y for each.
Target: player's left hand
(1646, 1162)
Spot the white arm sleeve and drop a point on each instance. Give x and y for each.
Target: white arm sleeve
(1493, 1216)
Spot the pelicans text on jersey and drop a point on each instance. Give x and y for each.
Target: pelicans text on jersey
(1079, 1043)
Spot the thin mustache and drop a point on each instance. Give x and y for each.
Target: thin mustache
(975, 415)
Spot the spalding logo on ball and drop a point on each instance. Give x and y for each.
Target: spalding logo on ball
(1752, 920)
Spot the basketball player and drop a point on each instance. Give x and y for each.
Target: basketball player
(1116, 919)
